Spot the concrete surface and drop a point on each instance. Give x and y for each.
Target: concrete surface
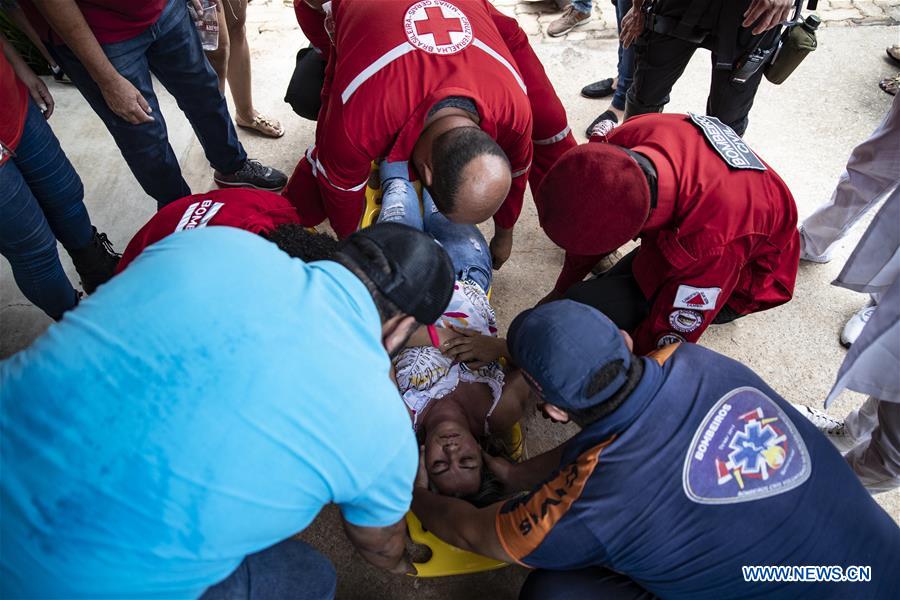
(805, 129)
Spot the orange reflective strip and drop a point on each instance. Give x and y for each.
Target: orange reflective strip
(664, 353)
(522, 529)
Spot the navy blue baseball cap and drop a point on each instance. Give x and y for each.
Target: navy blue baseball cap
(561, 346)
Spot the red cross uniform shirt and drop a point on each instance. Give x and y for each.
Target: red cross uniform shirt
(252, 210)
(731, 237)
(390, 63)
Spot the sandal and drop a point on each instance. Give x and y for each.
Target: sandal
(890, 84)
(893, 53)
(264, 125)
(599, 89)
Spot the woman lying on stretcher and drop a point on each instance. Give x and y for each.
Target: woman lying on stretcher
(458, 393)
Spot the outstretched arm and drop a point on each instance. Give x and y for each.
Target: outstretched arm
(384, 547)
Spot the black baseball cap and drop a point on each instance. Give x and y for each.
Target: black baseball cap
(406, 265)
(561, 345)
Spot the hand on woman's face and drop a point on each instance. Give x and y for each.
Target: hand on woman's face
(453, 460)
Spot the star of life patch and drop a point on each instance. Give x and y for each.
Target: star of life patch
(746, 448)
(727, 143)
(696, 298)
(685, 320)
(198, 214)
(437, 27)
(669, 338)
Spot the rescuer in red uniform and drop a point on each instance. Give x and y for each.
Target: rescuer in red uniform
(718, 227)
(256, 211)
(451, 86)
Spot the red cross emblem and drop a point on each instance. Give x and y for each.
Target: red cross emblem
(437, 27)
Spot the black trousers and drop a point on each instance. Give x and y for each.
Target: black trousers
(304, 92)
(616, 294)
(586, 584)
(661, 59)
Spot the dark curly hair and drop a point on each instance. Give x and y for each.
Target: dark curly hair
(300, 242)
(490, 491)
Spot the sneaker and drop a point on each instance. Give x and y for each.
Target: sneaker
(569, 20)
(96, 262)
(856, 324)
(602, 125)
(253, 175)
(832, 428)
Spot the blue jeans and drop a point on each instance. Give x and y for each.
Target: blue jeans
(583, 6)
(626, 59)
(289, 569)
(467, 248)
(41, 201)
(626, 56)
(171, 50)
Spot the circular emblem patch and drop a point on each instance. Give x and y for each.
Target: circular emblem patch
(437, 27)
(669, 338)
(685, 320)
(746, 448)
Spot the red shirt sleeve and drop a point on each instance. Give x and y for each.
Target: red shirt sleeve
(686, 303)
(519, 154)
(341, 169)
(575, 268)
(312, 23)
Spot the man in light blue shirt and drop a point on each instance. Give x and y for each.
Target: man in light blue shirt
(203, 406)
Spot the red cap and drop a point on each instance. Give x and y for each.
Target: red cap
(594, 199)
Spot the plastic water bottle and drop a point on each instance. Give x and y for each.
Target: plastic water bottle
(207, 24)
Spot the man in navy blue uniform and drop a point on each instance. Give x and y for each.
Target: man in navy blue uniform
(687, 468)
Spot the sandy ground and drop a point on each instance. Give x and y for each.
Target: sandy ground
(805, 129)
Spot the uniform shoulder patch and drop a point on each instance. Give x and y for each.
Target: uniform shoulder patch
(745, 449)
(437, 27)
(696, 298)
(727, 144)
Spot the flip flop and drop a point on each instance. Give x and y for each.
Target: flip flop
(264, 125)
(599, 89)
